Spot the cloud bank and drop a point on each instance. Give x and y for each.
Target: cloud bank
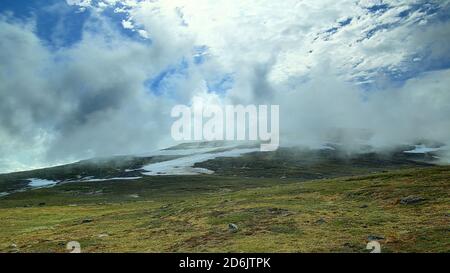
(381, 66)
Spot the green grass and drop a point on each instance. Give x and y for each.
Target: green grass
(191, 214)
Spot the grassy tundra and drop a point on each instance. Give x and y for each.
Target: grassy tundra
(406, 210)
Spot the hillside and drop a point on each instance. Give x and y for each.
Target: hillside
(406, 211)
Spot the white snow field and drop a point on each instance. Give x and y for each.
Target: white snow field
(185, 165)
(38, 183)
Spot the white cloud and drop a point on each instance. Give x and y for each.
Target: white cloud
(295, 32)
(78, 102)
(304, 55)
(127, 24)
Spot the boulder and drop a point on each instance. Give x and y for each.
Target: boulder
(87, 220)
(375, 238)
(411, 200)
(233, 228)
(321, 221)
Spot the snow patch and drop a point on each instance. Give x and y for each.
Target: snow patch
(422, 149)
(38, 183)
(109, 179)
(186, 152)
(184, 165)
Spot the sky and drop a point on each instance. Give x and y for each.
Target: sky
(91, 78)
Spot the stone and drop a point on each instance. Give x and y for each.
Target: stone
(321, 221)
(233, 228)
(411, 200)
(87, 220)
(374, 238)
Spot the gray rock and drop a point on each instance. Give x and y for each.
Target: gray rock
(411, 200)
(233, 228)
(321, 221)
(374, 238)
(85, 221)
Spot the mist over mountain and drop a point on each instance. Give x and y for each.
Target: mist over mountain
(83, 79)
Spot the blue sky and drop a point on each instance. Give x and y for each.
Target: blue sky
(57, 23)
(61, 25)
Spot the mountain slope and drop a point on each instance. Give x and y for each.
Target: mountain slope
(225, 159)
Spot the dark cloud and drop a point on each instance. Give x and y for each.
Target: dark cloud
(85, 100)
